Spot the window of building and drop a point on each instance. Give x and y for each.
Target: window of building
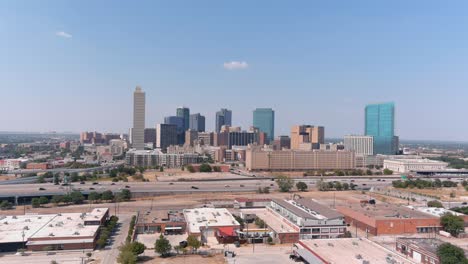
(325, 230)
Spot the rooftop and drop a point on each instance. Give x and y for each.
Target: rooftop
(435, 211)
(66, 225)
(427, 244)
(307, 208)
(161, 216)
(11, 227)
(351, 251)
(208, 217)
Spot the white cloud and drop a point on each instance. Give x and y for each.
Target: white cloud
(235, 65)
(63, 34)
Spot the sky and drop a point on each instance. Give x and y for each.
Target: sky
(73, 65)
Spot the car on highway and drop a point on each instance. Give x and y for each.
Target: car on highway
(126, 186)
(227, 186)
(113, 183)
(91, 188)
(242, 185)
(195, 187)
(95, 183)
(171, 183)
(41, 189)
(464, 203)
(82, 182)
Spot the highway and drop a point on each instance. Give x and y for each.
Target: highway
(102, 167)
(175, 187)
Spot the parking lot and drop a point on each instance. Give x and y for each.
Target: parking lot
(149, 239)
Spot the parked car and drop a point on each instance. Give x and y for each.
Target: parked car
(183, 244)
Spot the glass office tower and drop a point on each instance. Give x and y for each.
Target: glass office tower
(184, 113)
(380, 123)
(264, 119)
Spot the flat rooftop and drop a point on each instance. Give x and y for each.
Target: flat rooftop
(66, 225)
(349, 251)
(307, 208)
(11, 227)
(161, 216)
(208, 217)
(273, 220)
(381, 211)
(436, 211)
(428, 244)
(96, 214)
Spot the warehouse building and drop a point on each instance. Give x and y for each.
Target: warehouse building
(66, 231)
(157, 221)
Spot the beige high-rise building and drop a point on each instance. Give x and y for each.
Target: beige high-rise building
(307, 134)
(138, 132)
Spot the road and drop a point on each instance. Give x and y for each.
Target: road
(110, 254)
(103, 167)
(175, 187)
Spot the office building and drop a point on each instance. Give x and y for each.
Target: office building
(179, 123)
(307, 134)
(184, 113)
(166, 135)
(380, 123)
(229, 137)
(207, 223)
(223, 118)
(297, 160)
(282, 142)
(138, 132)
(361, 145)
(206, 138)
(190, 137)
(420, 250)
(150, 135)
(264, 120)
(197, 122)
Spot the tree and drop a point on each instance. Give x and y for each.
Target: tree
(76, 197)
(43, 200)
(94, 196)
(368, 172)
(56, 199)
(161, 169)
(162, 246)
(387, 172)
(435, 203)
(107, 195)
(205, 167)
(193, 242)
(35, 203)
(451, 254)
(301, 186)
(345, 186)
(127, 257)
(5, 205)
(452, 223)
(40, 179)
(74, 177)
(56, 179)
(190, 168)
(125, 195)
(137, 248)
(260, 223)
(66, 199)
(338, 186)
(284, 183)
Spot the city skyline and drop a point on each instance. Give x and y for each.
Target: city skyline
(220, 55)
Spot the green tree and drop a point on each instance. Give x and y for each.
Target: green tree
(94, 196)
(190, 168)
(451, 254)
(301, 186)
(162, 246)
(193, 242)
(76, 197)
(56, 179)
(161, 169)
(205, 167)
(345, 186)
(452, 223)
(56, 199)
(35, 203)
(260, 223)
(125, 195)
(137, 248)
(107, 195)
(67, 199)
(338, 186)
(387, 172)
(40, 179)
(435, 203)
(127, 257)
(284, 183)
(43, 200)
(74, 177)
(5, 205)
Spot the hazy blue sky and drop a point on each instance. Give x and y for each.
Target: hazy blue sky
(73, 65)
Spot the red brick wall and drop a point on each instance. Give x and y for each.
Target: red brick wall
(402, 226)
(288, 238)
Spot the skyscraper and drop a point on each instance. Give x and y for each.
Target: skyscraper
(197, 122)
(166, 135)
(264, 119)
(179, 123)
(184, 113)
(361, 145)
(223, 117)
(138, 132)
(380, 123)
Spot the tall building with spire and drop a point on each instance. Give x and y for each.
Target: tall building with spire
(138, 132)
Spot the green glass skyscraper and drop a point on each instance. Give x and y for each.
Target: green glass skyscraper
(380, 123)
(264, 119)
(184, 113)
